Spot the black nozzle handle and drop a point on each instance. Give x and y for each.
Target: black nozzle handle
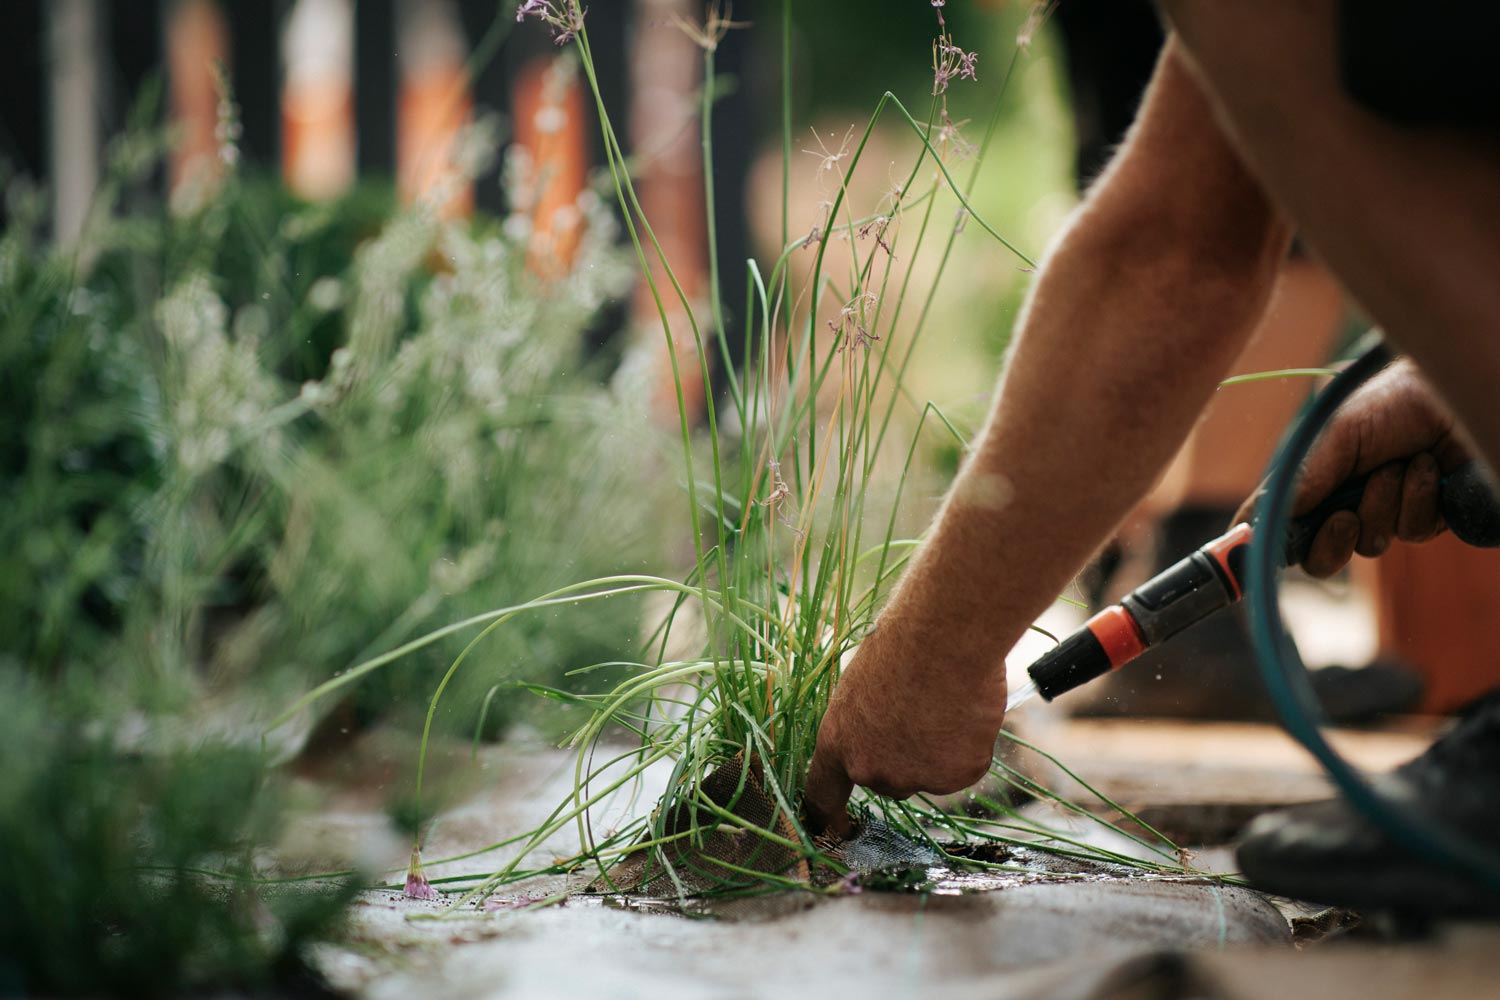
(1469, 501)
(1211, 578)
(1471, 505)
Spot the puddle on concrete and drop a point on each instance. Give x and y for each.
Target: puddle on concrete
(968, 924)
(996, 869)
(977, 929)
(789, 943)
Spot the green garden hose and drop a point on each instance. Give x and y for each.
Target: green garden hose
(1282, 668)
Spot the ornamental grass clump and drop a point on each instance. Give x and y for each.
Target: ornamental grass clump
(792, 491)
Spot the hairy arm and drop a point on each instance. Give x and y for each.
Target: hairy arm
(1140, 307)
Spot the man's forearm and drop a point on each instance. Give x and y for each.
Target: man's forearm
(1140, 307)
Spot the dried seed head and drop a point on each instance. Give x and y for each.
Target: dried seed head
(950, 138)
(716, 24)
(1035, 18)
(876, 227)
(949, 63)
(851, 325)
(563, 17)
(829, 159)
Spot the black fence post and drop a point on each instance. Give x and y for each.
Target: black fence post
(255, 76)
(23, 90)
(375, 86)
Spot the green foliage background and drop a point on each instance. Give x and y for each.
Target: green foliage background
(254, 439)
(246, 442)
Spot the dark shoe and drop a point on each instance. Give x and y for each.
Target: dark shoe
(1352, 696)
(1328, 852)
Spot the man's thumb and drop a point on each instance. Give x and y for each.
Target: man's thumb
(826, 799)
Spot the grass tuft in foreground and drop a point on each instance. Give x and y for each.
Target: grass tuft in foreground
(106, 849)
(792, 491)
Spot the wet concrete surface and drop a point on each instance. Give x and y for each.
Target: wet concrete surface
(1086, 933)
(874, 944)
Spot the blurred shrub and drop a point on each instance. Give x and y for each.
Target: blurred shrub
(255, 440)
(245, 442)
(102, 848)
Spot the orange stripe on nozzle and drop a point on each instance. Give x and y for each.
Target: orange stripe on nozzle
(1211, 579)
(1109, 640)
(1119, 635)
(1228, 551)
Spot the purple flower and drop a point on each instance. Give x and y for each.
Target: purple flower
(417, 886)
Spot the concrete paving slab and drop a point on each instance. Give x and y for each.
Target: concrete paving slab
(871, 945)
(1094, 935)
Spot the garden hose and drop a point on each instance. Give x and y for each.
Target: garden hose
(1281, 665)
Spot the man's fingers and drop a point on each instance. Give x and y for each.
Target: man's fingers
(1246, 513)
(1379, 508)
(1401, 500)
(1420, 518)
(827, 798)
(1333, 546)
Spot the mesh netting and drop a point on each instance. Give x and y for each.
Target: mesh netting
(725, 854)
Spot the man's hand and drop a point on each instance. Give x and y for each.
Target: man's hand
(1394, 428)
(1157, 284)
(898, 724)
